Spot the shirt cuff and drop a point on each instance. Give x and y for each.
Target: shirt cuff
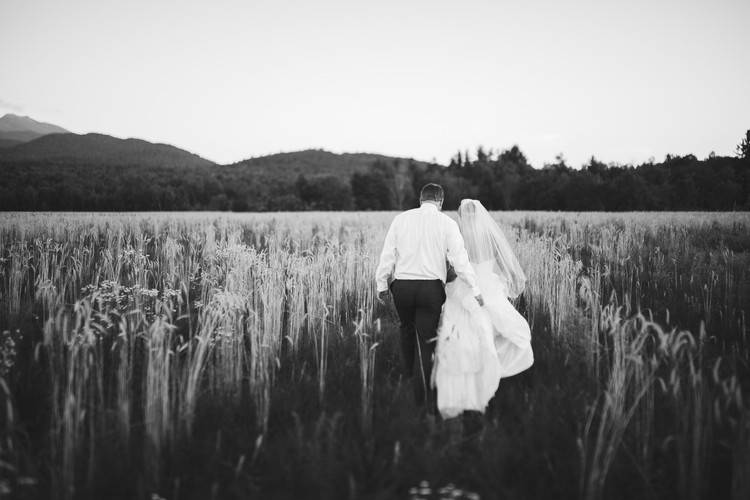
(476, 291)
(382, 286)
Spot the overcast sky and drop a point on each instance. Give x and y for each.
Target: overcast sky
(226, 79)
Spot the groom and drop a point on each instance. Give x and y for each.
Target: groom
(415, 251)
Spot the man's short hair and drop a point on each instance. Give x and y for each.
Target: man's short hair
(431, 192)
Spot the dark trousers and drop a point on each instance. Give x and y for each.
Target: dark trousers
(418, 304)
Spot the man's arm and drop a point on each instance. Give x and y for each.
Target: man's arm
(458, 257)
(387, 259)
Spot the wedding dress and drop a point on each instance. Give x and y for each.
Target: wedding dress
(479, 345)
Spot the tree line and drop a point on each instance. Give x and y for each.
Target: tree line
(500, 180)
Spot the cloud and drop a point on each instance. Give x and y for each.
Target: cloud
(10, 106)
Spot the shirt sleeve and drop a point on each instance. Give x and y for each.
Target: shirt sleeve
(459, 259)
(387, 259)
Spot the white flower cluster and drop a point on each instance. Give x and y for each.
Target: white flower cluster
(110, 295)
(7, 352)
(133, 255)
(447, 492)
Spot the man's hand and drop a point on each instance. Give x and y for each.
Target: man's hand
(480, 300)
(383, 296)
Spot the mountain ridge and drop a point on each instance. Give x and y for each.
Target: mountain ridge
(316, 162)
(25, 140)
(23, 129)
(10, 122)
(95, 148)
(102, 149)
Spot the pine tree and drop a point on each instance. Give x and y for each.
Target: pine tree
(743, 148)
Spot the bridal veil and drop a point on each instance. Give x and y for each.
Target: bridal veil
(485, 241)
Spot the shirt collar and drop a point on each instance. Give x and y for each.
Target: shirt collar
(430, 206)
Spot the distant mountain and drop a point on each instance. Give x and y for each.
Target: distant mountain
(99, 149)
(23, 128)
(68, 171)
(6, 143)
(314, 162)
(24, 140)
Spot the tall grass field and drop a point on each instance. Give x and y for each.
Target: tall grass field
(231, 356)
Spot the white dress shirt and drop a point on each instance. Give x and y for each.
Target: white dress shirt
(417, 245)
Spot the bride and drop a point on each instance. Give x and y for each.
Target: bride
(477, 346)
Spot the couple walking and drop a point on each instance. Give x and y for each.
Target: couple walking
(480, 337)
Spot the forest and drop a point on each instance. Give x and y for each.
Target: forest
(502, 180)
